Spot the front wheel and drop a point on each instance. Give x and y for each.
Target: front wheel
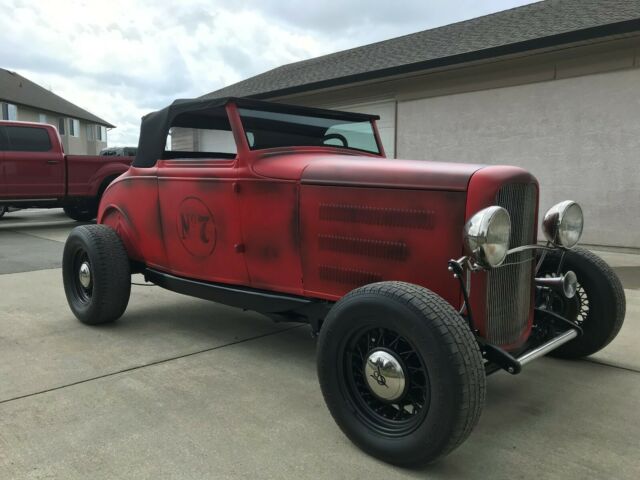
(598, 306)
(96, 274)
(401, 372)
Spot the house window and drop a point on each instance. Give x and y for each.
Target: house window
(101, 133)
(61, 123)
(9, 111)
(74, 127)
(42, 118)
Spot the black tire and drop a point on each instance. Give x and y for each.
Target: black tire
(84, 211)
(442, 347)
(106, 296)
(599, 305)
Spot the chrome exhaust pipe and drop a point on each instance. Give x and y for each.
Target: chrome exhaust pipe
(566, 284)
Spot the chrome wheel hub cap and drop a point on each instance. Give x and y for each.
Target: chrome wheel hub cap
(84, 275)
(384, 375)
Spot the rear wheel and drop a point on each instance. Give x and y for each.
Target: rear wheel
(82, 211)
(598, 307)
(400, 372)
(96, 274)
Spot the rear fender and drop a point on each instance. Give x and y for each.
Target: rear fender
(116, 218)
(130, 206)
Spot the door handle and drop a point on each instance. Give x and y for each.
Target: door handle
(52, 162)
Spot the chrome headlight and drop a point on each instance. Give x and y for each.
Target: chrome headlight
(486, 236)
(562, 224)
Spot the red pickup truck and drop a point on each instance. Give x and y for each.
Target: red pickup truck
(36, 173)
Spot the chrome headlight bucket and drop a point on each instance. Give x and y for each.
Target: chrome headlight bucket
(563, 223)
(486, 236)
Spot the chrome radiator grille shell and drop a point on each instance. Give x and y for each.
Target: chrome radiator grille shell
(509, 287)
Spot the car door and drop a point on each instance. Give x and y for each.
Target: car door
(32, 168)
(200, 215)
(3, 146)
(270, 229)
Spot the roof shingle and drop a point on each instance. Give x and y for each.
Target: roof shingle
(541, 24)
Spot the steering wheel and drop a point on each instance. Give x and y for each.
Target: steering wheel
(337, 136)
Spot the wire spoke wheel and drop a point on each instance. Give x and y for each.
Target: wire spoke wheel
(575, 309)
(386, 379)
(401, 372)
(598, 306)
(582, 301)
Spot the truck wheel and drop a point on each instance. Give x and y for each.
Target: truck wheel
(96, 274)
(401, 372)
(598, 307)
(82, 211)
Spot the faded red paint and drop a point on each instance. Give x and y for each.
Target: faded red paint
(423, 225)
(315, 221)
(482, 191)
(196, 227)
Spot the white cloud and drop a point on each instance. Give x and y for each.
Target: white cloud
(121, 59)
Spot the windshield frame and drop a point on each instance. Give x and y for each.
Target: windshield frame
(340, 118)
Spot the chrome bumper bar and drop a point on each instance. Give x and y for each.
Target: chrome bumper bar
(498, 358)
(547, 347)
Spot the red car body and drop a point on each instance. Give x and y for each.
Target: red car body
(314, 222)
(419, 278)
(41, 175)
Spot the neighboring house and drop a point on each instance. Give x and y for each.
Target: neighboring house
(552, 86)
(82, 132)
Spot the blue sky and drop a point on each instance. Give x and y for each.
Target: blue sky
(121, 59)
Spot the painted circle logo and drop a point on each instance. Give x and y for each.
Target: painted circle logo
(196, 227)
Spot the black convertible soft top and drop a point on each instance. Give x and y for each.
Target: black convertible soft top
(202, 113)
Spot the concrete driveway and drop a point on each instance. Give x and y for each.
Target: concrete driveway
(183, 388)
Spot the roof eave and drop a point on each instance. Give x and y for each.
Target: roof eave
(576, 36)
(96, 120)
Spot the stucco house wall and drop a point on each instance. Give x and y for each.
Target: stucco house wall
(79, 145)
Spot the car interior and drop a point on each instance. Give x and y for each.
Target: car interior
(207, 133)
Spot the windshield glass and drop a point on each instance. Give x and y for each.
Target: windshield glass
(273, 129)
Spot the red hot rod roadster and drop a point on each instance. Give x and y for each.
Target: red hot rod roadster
(420, 278)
